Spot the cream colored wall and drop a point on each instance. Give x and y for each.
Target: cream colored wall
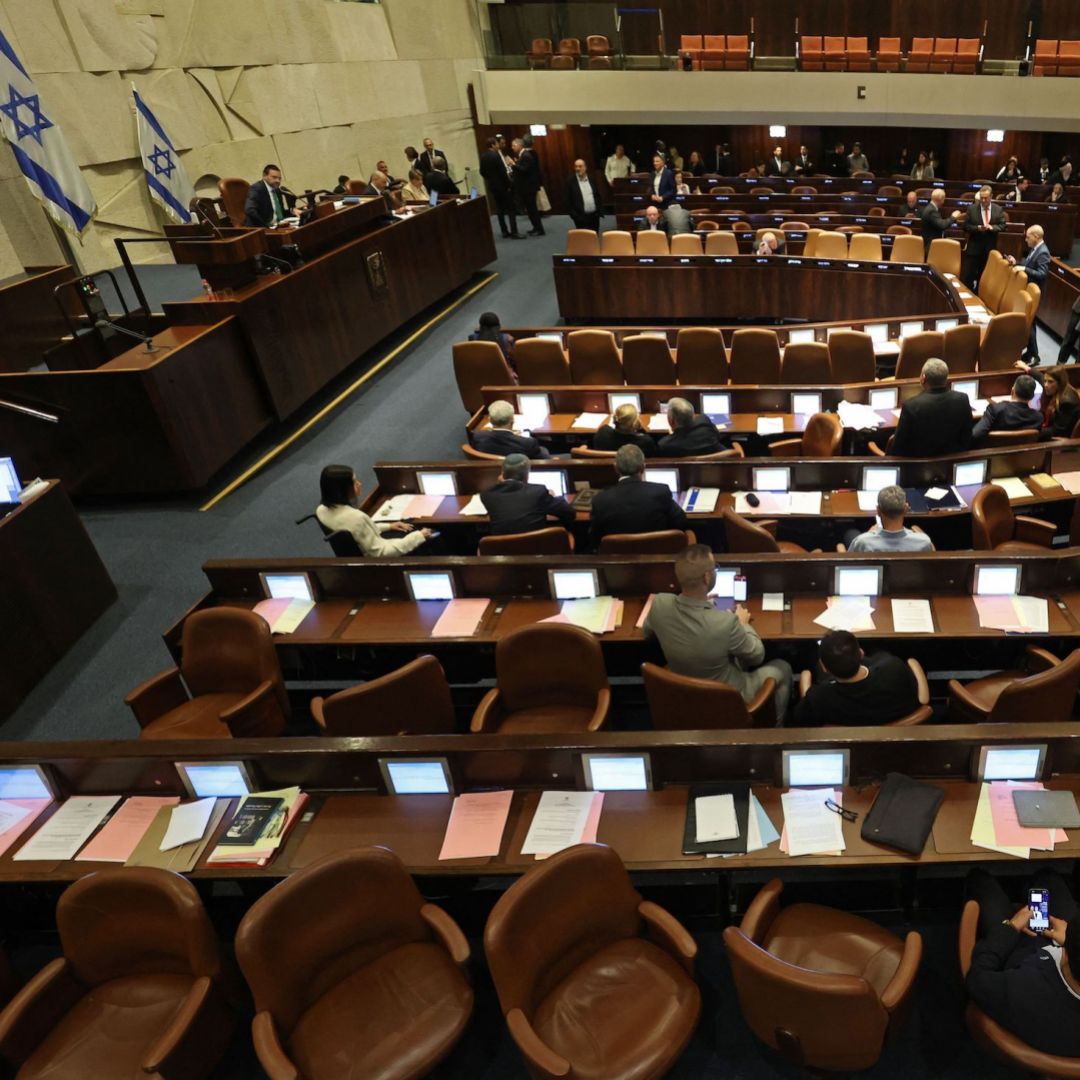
(322, 87)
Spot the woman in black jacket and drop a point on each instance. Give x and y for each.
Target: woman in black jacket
(1060, 405)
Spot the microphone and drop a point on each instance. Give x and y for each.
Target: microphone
(146, 339)
(268, 264)
(201, 212)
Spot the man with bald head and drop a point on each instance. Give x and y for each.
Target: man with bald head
(911, 210)
(583, 198)
(1035, 265)
(934, 223)
(985, 219)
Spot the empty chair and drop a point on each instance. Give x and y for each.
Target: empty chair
(1068, 57)
(233, 191)
(597, 45)
(661, 542)
(592, 980)
(1027, 302)
(823, 988)
(616, 242)
(899, 230)
(850, 229)
(851, 356)
(858, 54)
(353, 972)
(822, 437)
(478, 364)
(804, 189)
(810, 247)
(1015, 284)
(968, 52)
(1044, 691)
(737, 56)
(230, 669)
(992, 281)
(866, 247)
(944, 256)
(811, 54)
(647, 361)
(806, 364)
(1045, 58)
(650, 242)
(582, 242)
(685, 244)
(707, 225)
(594, 358)
(599, 63)
(1004, 340)
(539, 56)
(915, 350)
(721, 189)
(962, 348)
(835, 58)
(138, 990)
(741, 226)
(888, 54)
(691, 45)
(721, 242)
(551, 541)
(761, 190)
(541, 362)
(747, 537)
(682, 703)
(919, 54)
(907, 249)
(713, 52)
(563, 62)
(943, 56)
(549, 677)
(923, 713)
(831, 245)
(994, 526)
(414, 700)
(700, 356)
(875, 211)
(570, 47)
(755, 356)
(890, 191)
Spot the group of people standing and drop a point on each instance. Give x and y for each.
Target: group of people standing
(513, 177)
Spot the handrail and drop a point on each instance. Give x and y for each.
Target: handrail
(25, 410)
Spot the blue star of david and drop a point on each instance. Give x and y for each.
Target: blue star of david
(38, 121)
(162, 162)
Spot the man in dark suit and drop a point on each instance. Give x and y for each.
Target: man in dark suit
(516, 506)
(1012, 415)
(803, 164)
(935, 422)
(582, 199)
(266, 200)
(985, 219)
(934, 223)
(527, 181)
(496, 174)
(378, 187)
(723, 160)
(633, 504)
(1036, 264)
(437, 180)
(777, 165)
(691, 433)
(662, 183)
(1072, 333)
(425, 162)
(1063, 174)
(502, 439)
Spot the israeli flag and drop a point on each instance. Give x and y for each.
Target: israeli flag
(40, 149)
(165, 176)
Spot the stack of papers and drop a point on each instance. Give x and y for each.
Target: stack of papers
(714, 817)
(590, 421)
(284, 616)
(408, 506)
(859, 417)
(1070, 481)
(997, 828)
(173, 823)
(268, 837)
(1014, 614)
(68, 829)
(770, 425)
(701, 500)
(473, 508)
(810, 827)
(187, 823)
(562, 819)
(598, 615)
(852, 613)
(476, 825)
(125, 829)
(912, 616)
(805, 502)
(769, 502)
(1014, 487)
(659, 422)
(460, 618)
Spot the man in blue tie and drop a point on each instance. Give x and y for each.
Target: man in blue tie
(265, 204)
(1035, 265)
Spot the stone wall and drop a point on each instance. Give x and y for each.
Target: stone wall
(322, 87)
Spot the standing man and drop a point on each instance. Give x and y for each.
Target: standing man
(437, 179)
(496, 174)
(527, 180)
(582, 199)
(662, 183)
(1035, 266)
(427, 159)
(838, 161)
(934, 223)
(1072, 332)
(618, 166)
(677, 220)
(803, 165)
(725, 161)
(857, 161)
(985, 219)
(265, 203)
(777, 165)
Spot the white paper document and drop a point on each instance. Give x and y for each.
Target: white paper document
(868, 501)
(701, 500)
(772, 601)
(852, 613)
(187, 823)
(936, 492)
(859, 417)
(1014, 487)
(769, 502)
(590, 421)
(811, 827)
(659, 422)
(715, 818)
(559, 822)
(770, 425)
(473, 508)
(10, 814)
(1033, 612)
(394, 508)
(805, 502)
(912, 616)
(68, 829)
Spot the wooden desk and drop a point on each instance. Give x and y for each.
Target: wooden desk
(53, 584)
(31, 317)
(1060, 292)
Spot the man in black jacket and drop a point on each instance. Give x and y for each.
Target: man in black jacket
(527, 181)
(265, 204)
(582, 199)
(516, 506)
(691, 433)
(934, 222)
(1072, 333)
(437, 179)
(425, 162)
(496, 174)
(633, 504)
(985, 219)
(935, 422)
(502, 439)
(1012, 415)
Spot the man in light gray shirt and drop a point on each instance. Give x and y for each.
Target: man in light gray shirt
(704, 643)
(891, 534)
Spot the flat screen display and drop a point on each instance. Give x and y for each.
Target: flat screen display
(574, 584)
(416, 776)
(430, 585)
(616, 772)
(997, 580)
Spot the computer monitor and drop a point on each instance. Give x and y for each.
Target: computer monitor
(716, 404)
(883, 399)
(876, 477)
(996, 580)
(970, 473)
(617, 772)
(534, 406)
(909, 328)
(615, 400)
(941, 325)
(857, 581)
(574, 584)
(416, 776)
(879, 332)
(805, 404)
(553, 479)
(433, 199)
(970, 387)
(551, 336)
(815, 768)
(1010, 762)
(215, 779)
(437, 483)
(834, 329)
(25, 782)
(801, 336)
(769, 478)
(288, 586)
(10, 485)
(664, 476)
(430, 584)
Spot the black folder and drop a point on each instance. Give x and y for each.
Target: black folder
(740, 789)
(920, 503)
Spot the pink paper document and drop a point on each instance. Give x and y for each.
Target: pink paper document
(423, 506)
(476, 825)
(592, 824)
(121, 836)
(460, 618)
(13, 832)
(645, 611)
(1008, 832)
(271, 610)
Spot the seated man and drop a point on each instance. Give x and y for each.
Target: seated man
(857, 689)
(654, 221)
(626, 432)
(691, 433)
(266, 204)
(677, 220)
(502, 439)
(935, 422)
(516, 506)
(1026, 983)
(891, 534)
(705, 643)
(633, 504)
(772, 243)
(1012, 415)
(912, 210)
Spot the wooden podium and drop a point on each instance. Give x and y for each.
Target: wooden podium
(227, 262)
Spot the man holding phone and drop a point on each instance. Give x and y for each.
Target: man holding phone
(1024, 979)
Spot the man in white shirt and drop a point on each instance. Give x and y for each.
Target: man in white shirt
(618, 166)
(582, 198)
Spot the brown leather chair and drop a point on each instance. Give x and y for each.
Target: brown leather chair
(831, 245)
(811, 54)
(755, 356)
(138, 991)
(1045, 60)
(554, 540)
(915, 350)
(1005, 338)
(353, 973)
(737, 56)
(943, 56)
(866, 247)
(721, 189)
(967, 56)
(706, 225)
(651, 242)
(888, 59)
(541, 362)
(803, 189)
(470, 451)
(598, 45)
(682, 703)
(995, 440)
(944, 256)
(962, 348)
(822, 437)
(1045, 690)
(1015, 285)
(722, 242)
(594, 358)
(233, 191)
(994, 526)
(922, 714)
(835, 59)
(992, 281)
(810, 247)
(478, 364)
(570, 47)
(563, 62)
(858, 54)
(539, 56)
(593, 981)
(823, 988)
(661, 542)
(919, 54)
(549, 677)
(889, 191)
(700, 356)
(901, 230)
(647, 361)
(616, 242)
(582, 242)
(806, 364)
(229, 666)
(906, 248)
(686, 244)
(851, 357)
(746, 537)
(414, 700)
(874, 211)
(1068, 57)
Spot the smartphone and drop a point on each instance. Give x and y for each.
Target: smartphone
(1039, 906)
(740, 588)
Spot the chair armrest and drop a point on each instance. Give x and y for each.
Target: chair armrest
(488, 713)
(603, 707)
(538, 1055)
(841, 549)
(922, 715)
(245, 715)
(36, 1009)
(268, 1048)
(969, 932)
(1031, 530)
(786, 448)
(448, 932)
(317, 714)
(965, 700)
(1039, 660)
(175, 1053)
(762, 910)
(769, 525)
(666, 931)
(762, 708)
(157, 696)
(691, 537)
(875, 449)
(806, 680)
(921, 683)
(903, 980)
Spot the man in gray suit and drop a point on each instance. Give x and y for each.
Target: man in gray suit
(677, 220)
(705, 643)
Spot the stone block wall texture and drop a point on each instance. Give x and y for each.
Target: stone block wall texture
(322, 87)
